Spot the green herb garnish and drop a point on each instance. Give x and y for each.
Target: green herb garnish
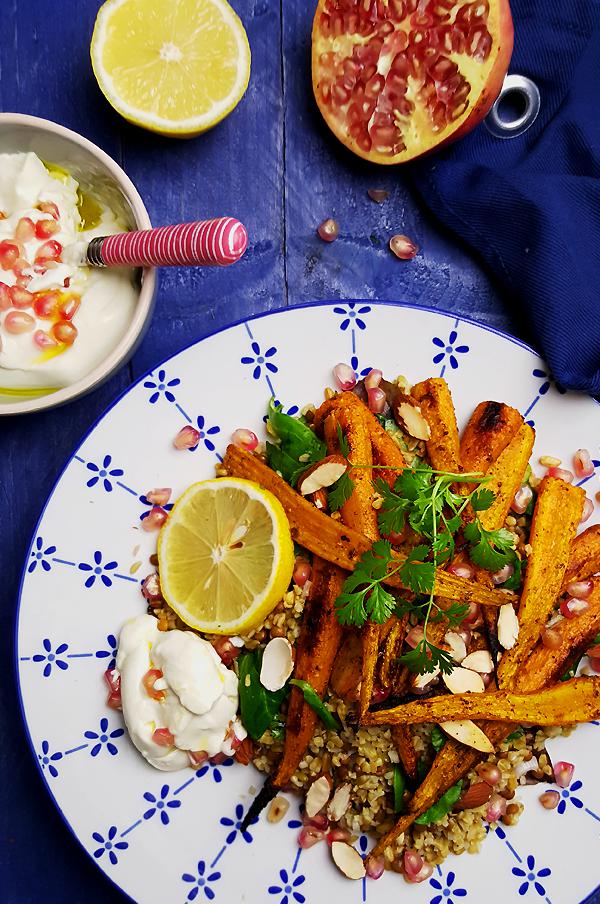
(515, 734)
(399, 786)
(298, 446)
(312, 698)
(438, 738)
(442, 807)
(258, 706)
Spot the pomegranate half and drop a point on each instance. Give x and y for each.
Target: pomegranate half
(395, 79)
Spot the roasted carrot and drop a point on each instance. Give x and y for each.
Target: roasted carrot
(358, 511)
(505, 476)
(490, 429)
(584, 559)
(437, 407)
(345, 677)
(405, 747)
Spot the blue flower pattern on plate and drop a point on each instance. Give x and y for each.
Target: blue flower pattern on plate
(161, 804)
(104, 738)
(567, 794)
(214, 767)
(52, 657)
(103, 472)
(446, 889)
(201, 882)
(109, 845)
(205, 432)
(111, 641)
(235, 826)
(548, 380)
(351, 314)
(98, 570)
(260, 360)
(160, 386)
(288, 887)
(150, 505)
(48, 759)
(531, 876)
(450, 349)
(39, 556)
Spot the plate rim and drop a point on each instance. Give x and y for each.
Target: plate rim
(106, 411)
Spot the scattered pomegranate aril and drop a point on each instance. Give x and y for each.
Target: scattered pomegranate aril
(5, 302)
(473, 616)
(561, 474)
(373, 379)
(226, 650)
(43, 340)
(500, 577)
(412, 862)
(329, 230)
(318, 821)
(309, 836)
(64, 332)
(583, 464)
(17, 322)
(25, 230)
(149, 680)
(588, 508)
(302, 571)
(379, 694)
(403, 247)
(523, 497)
(573, 607)
(45, 228)
(218, 759)
(563, 773)
(496, 808)
(551, 638)
(45, 304)
(344, 376)
(20, 297)
(159, 495)
(550, 800)
(489, 772)
(155, 519)
(580, 589)
(376, 400)
(113, 681)
(375, 868)
(379, 195)
(69, 308)
(9, 254)
(337, 833)
(49, 251)
(151, 588)
(414, 636)
(197, 757)
(461, 571)
(163, 737)
(187, 438)
(244, 439)
(49, 207)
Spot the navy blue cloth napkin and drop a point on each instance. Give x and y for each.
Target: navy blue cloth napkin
(530, 205)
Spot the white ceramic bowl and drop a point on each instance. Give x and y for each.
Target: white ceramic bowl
(95, 170)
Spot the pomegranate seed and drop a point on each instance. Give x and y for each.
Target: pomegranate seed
(523, 497)
(155, 519)
(45, 304)
(226, 650)
(549, 800)
(594, 651)
(20, 297)
(163, 737)
(302, 571)
(424, 873)
(413, 862)
(17, 322)
(151, 588)
(49, 251)
(373, 379)
(337, 833)
(197, 757)
(488, 772)
(43, 340)
(9, 254)
(496, 808)
(504, 574)
(218, 759)
(49, 207)
(21, 264)
(45, 228)
(563, 773)
(344, 376)
(551, 638)
(149, 680)
(581, 589)
(414, 636)
(5, 302)
(25, 230)
(395, 537)
(379, 195)
(309, 836)
(375, 868)
(244, 439)
(582, 463)
(465, 633)
(187, 438)
(561, 474)
(69, 308)
(376, 400)
(379, 694)
(319, 822)
(113, 679)
(573, 607)
(461, 571)
(159, 496)
(64, 332)
(473, 617)
(595, 664)
(329, 230)
(403, 247)
(588, 508)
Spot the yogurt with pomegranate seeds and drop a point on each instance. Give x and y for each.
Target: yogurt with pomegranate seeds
(58, 318)
(179, 701)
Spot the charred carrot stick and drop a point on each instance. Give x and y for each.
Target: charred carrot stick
(437, 407)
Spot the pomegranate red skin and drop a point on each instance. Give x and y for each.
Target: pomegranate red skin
(431, 142)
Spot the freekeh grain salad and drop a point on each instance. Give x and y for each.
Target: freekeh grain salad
(380, 614)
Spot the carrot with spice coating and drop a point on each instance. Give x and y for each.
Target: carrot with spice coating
(584, 559)
(490, 429)
(437, 407)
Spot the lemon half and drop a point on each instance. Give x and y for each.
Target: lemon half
(177, 67)
(225, 555)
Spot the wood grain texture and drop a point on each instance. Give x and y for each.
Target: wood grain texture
(272, 164)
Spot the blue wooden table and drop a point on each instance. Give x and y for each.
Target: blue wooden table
(274, 165)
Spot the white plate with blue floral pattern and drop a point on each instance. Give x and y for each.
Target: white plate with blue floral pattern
(175, 837)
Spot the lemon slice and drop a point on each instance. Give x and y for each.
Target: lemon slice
(225, 555)
(177, 67)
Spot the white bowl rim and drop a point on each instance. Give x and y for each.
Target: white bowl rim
(147, 292)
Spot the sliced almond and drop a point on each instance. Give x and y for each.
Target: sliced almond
(317, 796)
(463, 681)
(277, 664)
(469, 734)
(348, 860)
(339, 803)
(458, 647)
(479, 661)
(322, 474)
(508, 626)
(413, 420)
(419, 682)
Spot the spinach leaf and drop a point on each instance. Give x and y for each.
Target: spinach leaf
(312, 698)
(443, 806)
(399, 786)
(295, 436)
(515, 734)
(258, 706)
(438, 738)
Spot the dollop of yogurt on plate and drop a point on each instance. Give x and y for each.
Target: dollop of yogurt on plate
(199, 694)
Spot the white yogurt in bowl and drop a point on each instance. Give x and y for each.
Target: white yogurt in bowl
(58, 319)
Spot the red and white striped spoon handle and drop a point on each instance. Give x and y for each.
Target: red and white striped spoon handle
(216, 242)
